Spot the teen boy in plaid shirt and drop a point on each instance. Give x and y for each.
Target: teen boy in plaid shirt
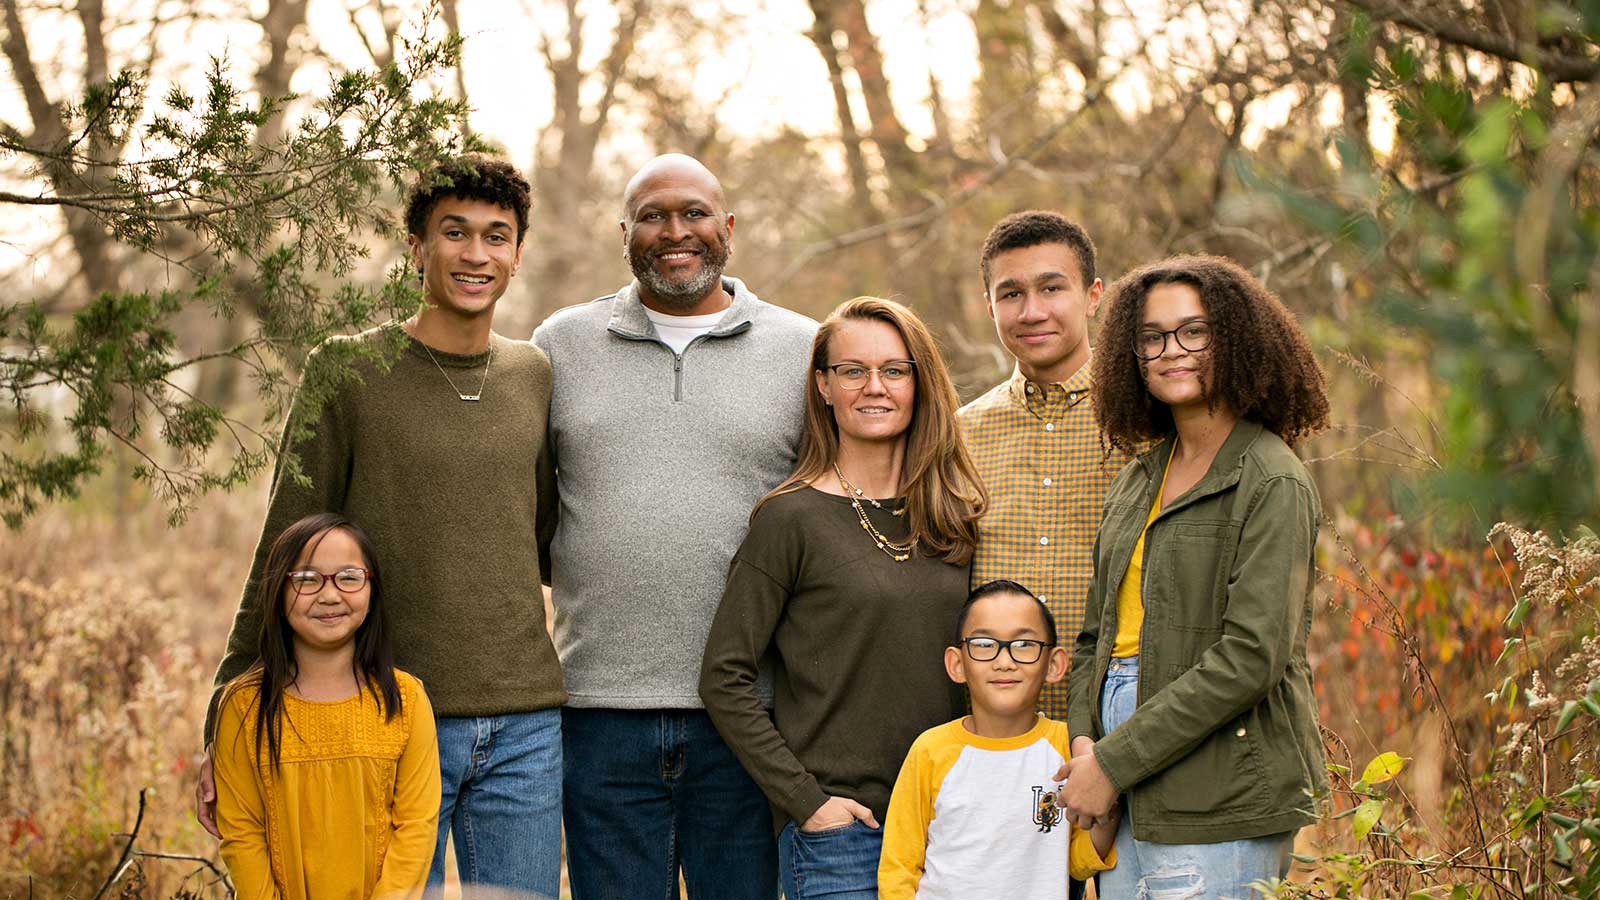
(1033, 436)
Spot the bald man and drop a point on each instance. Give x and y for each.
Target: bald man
(677, 403)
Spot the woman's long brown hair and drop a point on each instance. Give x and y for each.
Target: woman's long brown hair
(944, 497)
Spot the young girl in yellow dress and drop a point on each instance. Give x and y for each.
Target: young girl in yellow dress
(326, 758)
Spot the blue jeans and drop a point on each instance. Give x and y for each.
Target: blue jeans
(648, 791)
(841, 863)
(501, 798)
(1151, 871)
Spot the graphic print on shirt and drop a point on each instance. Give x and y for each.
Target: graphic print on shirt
(1046, 814)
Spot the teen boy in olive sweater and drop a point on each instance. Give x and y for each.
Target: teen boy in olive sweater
(441, 460)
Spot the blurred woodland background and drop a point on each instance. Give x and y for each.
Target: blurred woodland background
(194, 193)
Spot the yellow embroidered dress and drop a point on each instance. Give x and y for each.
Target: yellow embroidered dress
(351, 813)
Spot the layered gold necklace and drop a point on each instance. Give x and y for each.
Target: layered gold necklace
(896, 552)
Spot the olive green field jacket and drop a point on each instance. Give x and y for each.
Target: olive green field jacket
(1224, 744)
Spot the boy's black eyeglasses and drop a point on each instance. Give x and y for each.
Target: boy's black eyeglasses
(1023, 650)
(309, 581)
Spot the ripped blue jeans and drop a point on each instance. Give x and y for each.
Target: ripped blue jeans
(1150, 871)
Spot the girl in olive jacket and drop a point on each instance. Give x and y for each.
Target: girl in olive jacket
(1191, 698)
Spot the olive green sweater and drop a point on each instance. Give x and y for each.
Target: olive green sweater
(858, 640)
(452, 494)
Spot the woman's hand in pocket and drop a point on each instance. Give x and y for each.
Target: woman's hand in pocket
(837, 813)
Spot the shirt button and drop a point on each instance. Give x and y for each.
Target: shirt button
(1047, 482)
(1043, 541)
(1240, 732)
(1049, 426)
(1030, 388)
(1043, 598)
(1072, 397)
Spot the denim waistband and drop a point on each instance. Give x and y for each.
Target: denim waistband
(1123, 665)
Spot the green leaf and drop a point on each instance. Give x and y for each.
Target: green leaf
(1518, 613)
(1569, 711)
(1578, 789)
(1383, 767)
(1511, 644)
(1532, 811)
(1366, 816)
(1563, 849)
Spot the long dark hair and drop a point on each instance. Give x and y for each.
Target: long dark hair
(275, 666)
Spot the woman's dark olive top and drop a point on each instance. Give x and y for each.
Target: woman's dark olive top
(857, 640)
(1224, 744)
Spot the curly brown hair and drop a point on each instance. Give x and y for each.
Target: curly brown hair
(471, 176)
(1261, 365)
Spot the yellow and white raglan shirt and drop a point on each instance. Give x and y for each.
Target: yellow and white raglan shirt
(976, 817)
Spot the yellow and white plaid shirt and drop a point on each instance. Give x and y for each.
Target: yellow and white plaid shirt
(1039, 454)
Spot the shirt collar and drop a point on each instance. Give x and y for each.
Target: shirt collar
(629, 320)
(1073, 391)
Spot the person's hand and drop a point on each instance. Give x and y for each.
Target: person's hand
(1081, 745)
(1088, 794)
(1104, 832)
(836, 813)
(205, 797)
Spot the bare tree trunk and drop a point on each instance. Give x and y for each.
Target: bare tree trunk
(1352, 90)
(278, 25)
(1586, 372)
(888, 134)
(565, 156)
(273, 79)
(943, 135)
(1077, 50)
(452, 21)
(822, 34)
(90, 241)
(1006, 77)
(1241, 99)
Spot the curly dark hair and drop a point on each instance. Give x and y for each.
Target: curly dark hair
(472, 176)
(1261, 365)
(1032, 228)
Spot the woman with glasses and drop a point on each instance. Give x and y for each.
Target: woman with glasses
(846, 586)
(1191, 696)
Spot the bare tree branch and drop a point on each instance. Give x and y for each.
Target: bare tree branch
(1453, 30)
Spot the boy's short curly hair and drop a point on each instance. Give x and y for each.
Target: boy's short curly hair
(1261, 365)
(471, 176)
(1032, 228)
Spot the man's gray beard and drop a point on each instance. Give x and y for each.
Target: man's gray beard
(684, 295)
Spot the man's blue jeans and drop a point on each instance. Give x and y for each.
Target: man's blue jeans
(501, 798)
(648, 791)
(837, 863)
(1180, 871)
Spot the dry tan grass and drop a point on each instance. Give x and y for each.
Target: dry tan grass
(112, 624)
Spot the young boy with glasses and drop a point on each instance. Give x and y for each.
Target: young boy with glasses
(973, 812)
